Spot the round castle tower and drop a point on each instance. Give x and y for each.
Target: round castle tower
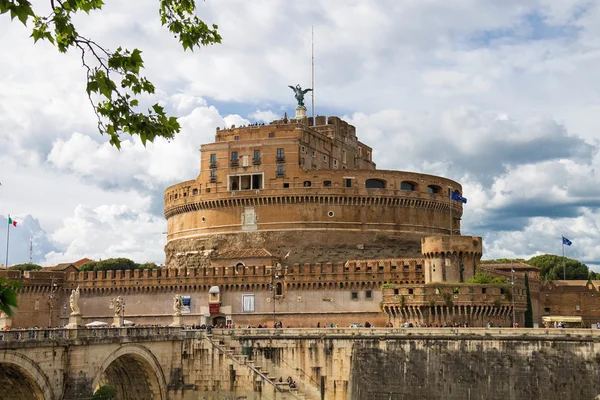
(451, 258)
(307, 191)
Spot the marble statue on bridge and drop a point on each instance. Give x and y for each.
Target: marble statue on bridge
(73, 300)
(177, 304)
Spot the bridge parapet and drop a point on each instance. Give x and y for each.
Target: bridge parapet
(412, 333)
(32, 337)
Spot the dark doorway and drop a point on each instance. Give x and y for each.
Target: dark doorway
(219, 321)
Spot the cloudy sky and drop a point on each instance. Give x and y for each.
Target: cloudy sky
(501, 95)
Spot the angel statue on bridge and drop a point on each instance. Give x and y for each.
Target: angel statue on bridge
(117, 305)
(299, 94)
(73, 299)
(177, 304)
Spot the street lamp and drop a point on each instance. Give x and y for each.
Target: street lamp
(512, 272)
(51, 297)
(123, 314)
(275, 274)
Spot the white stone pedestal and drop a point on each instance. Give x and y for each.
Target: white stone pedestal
(117, 321)
(74, 321)
(177, 320)
(5, 321)
(300, 112)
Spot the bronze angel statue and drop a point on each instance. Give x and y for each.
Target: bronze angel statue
(299, 94)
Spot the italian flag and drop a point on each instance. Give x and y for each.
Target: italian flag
(12, 222)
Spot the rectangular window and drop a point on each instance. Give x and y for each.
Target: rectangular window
(248, 303)
(325, 158)
(213, 174)
(245, 182)
(410, 291)
(234, 156)
(344, 156)
(348, 182)
(368, 295)
(354, 296)
(314, 154)
(271, 135)
(213, 158)
(280, 170)
(335, 163)
(303, 149)
(236, 138)
(396, 291)
(280, 154)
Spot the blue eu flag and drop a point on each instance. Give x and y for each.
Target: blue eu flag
(567, 241)
(458, 197)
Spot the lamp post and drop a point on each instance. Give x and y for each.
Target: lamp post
(123, 314)
(512, 273)
(275, 275)
(51, 298)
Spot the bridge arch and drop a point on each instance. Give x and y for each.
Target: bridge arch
(134, 372)
(20, 377)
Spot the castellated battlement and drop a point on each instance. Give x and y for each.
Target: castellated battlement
(351, 274)
(433, 246)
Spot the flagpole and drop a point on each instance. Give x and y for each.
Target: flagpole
(563, 253)
(450, 208)
(7, 236)
(312, 70)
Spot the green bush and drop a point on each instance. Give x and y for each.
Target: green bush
(105, 393)
(481, 277)
(26, 267)
(115, 264)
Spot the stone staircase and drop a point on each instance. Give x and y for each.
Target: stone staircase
(232, 352)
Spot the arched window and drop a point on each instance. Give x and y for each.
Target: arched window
(234, 185)
(375, 184)
(408, 186)
(195, 192)
(278, 289)
(433, 189)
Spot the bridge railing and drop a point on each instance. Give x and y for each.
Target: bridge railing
(23, 335)
(406, 332)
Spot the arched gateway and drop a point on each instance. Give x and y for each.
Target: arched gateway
(22, 379)
(134, 372)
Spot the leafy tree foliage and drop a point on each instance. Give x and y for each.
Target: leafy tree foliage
(26, 267)
(115, 264)
(529, 311)
(482, 277)
(594, 276)
(551, 267)
(114, 82)
(8, 296)
(105, 393)
(503, 261)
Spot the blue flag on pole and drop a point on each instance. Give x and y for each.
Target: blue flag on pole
(567, 241)
(458, 197)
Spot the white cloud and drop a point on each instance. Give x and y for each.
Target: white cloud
(264, 116)
(501, 96)
(109, 231)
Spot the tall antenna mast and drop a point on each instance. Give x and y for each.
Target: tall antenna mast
(30, 250)
(312, 96)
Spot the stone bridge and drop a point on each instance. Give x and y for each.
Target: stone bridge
(53, 364)
(172, 363)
